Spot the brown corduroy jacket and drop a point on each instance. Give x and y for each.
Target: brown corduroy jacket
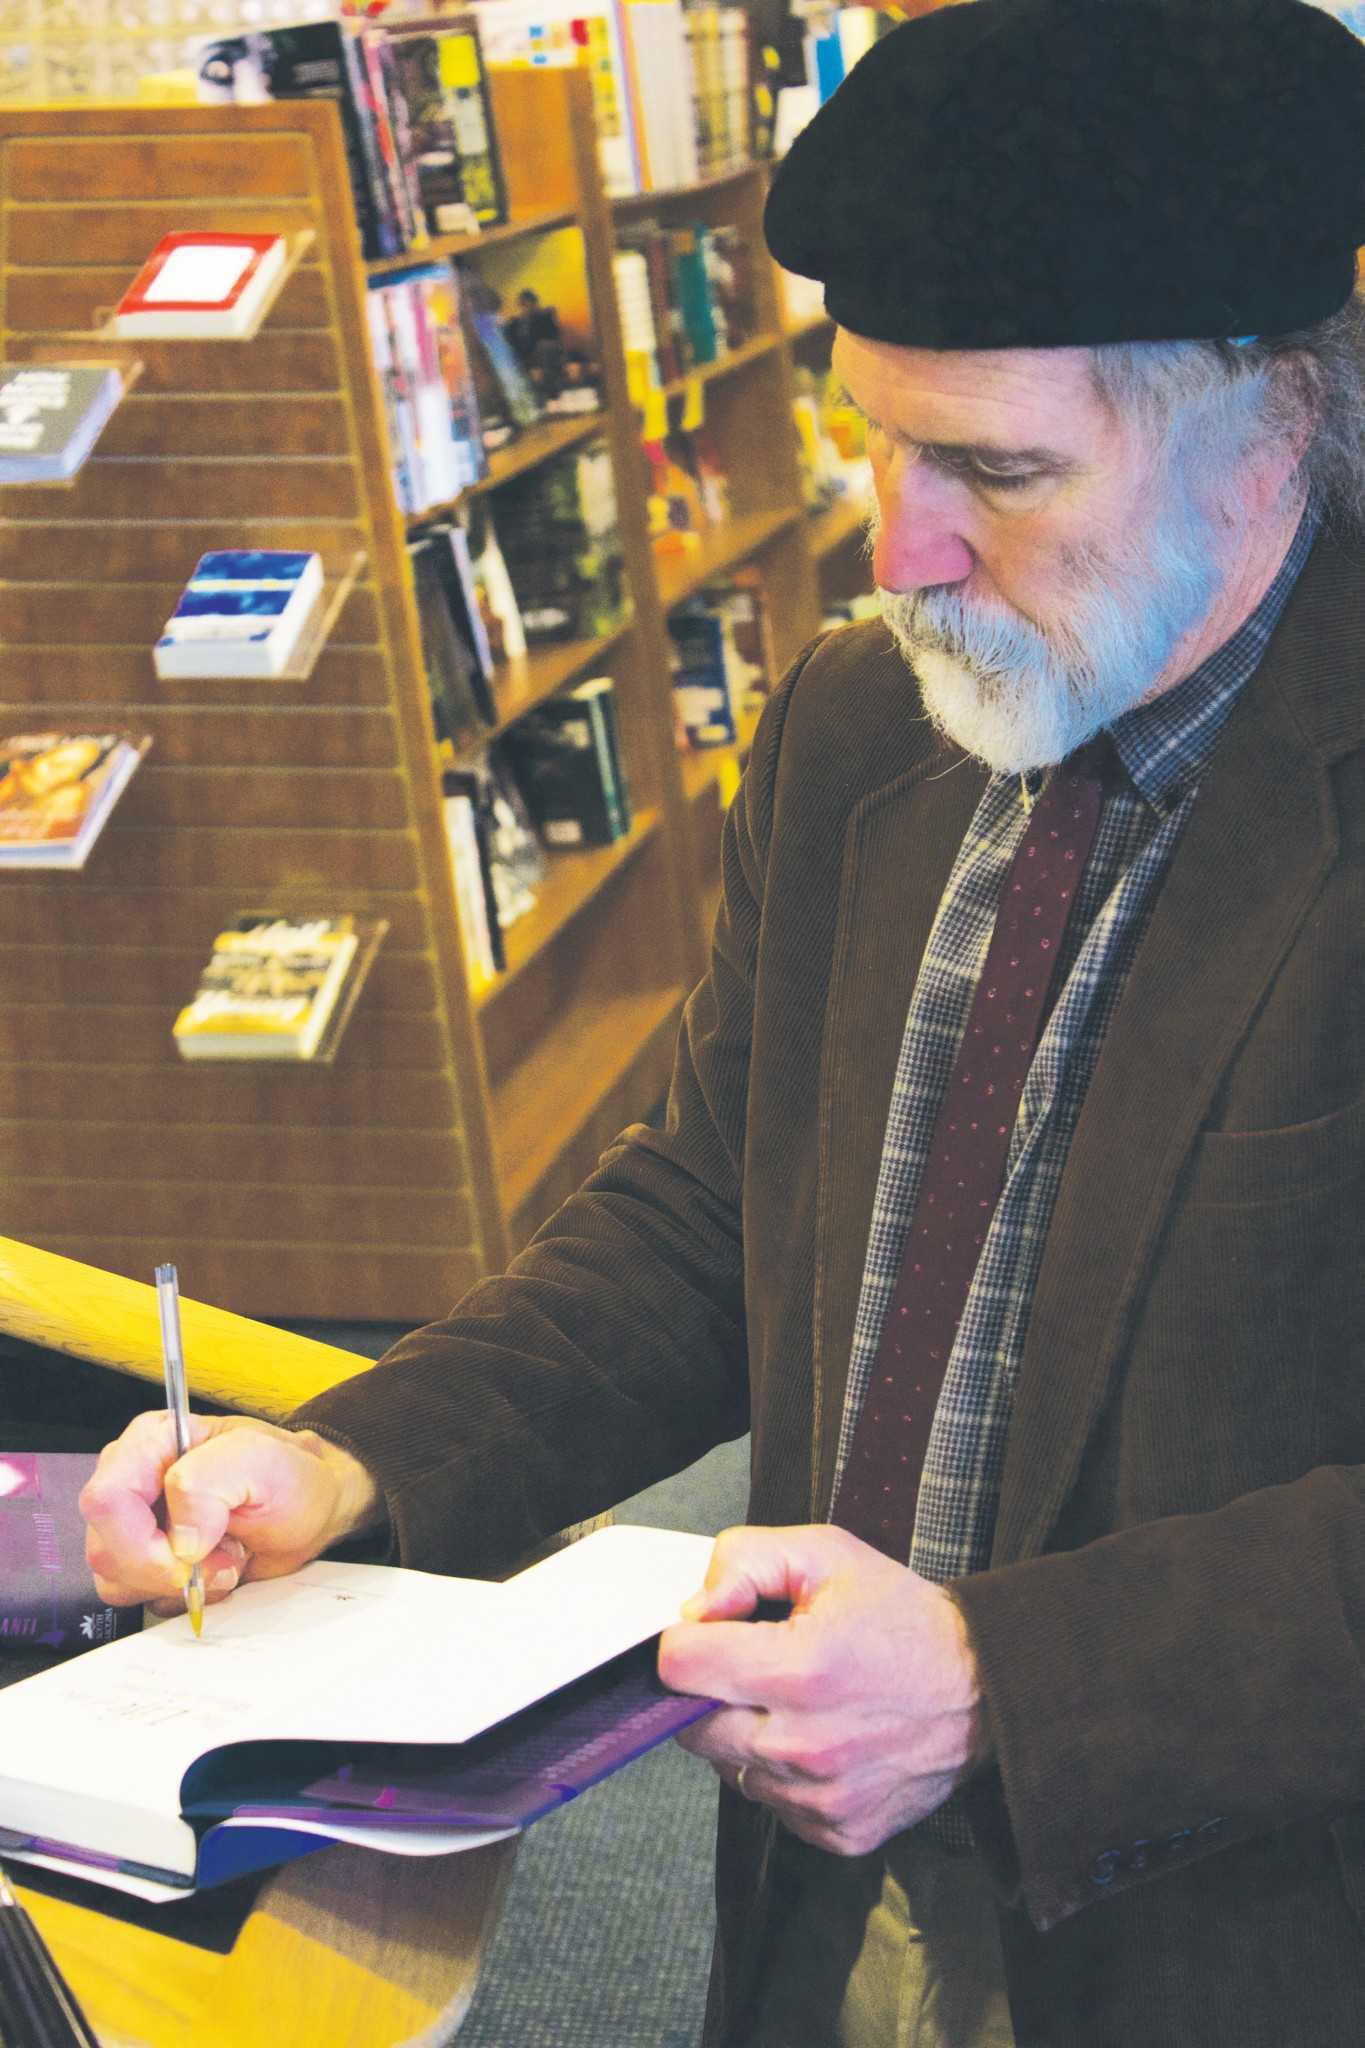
(1172, 1631)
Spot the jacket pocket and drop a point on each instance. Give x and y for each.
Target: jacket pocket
(1247, 1168)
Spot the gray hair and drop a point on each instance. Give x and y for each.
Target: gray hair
(1215, 400)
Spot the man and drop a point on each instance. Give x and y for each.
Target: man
(1060, 1299)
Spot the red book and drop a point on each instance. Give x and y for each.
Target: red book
(202, 286)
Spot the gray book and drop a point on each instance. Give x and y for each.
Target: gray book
(51, 415)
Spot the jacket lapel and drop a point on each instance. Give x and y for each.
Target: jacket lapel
(1259, 840)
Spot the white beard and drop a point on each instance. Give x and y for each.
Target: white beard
(1020, 696)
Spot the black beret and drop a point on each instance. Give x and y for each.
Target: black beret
(1057, 173)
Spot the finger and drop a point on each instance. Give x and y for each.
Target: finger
(744, 1663)
(726, 1738)
(125, 1545)
(225, 1481)
(752, 1564)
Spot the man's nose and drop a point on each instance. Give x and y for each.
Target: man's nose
(920, 541)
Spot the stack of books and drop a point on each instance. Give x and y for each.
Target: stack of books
(202, 286)
(566, 755)
(455, 643)
(248, 612)
(415, 114)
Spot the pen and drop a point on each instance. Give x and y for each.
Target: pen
(173, 1357)
(37, 2006)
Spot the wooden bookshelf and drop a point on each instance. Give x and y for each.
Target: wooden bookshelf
(455, 1116)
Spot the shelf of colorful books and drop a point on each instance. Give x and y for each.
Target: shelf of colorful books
(572, 881)
(837, 523)
(440, 248)
(720, 549)
(618, 1050)
(519, 685)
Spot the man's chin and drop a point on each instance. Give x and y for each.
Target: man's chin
(991, 734)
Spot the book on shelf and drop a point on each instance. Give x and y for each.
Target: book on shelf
(461, 704)
(566, 755)
(406, 1711)
(439, 72)
(496, 599)
(248, 612)
(712, 676)
(689, 492)
(48, 1600)
(466, 827)
(269, 989)
(508, 401)
(419, 345)
(662, 89)
(515, 854)
(562, 544)
(387, 110)
(57, 791)
(51, 415)
(569, 34)
(308, 61)
(198, 285)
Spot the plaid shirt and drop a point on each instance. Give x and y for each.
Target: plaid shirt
(1164, 746)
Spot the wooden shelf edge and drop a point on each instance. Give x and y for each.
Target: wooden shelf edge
(838, 523)
(519, 685)
(442, 247)
(680, 576)
(626, 203)
(536, 1117)
(752, 351)
(572, 882)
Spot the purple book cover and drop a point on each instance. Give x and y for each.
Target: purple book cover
(47, 1595)
(533, 1763)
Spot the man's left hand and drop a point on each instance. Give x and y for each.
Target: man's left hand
(854, 1717)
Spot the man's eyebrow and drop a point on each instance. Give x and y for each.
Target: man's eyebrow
(1046, 461)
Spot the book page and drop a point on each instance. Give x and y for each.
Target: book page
(207, 273)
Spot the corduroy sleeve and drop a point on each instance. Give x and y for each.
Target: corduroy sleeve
(612, 1352)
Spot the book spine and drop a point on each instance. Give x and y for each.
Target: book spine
(389, 88)
(600, 706)
(395, 179)
(386, 238)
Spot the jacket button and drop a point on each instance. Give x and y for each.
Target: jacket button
(1106, 1866)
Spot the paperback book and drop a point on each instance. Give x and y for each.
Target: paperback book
(47, 1591)
(51, 415)
(57, 790)
(566, 755)
(405, 1711)
(244, 612)
(269, 989)
(201, 286)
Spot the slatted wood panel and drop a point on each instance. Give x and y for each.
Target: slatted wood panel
(365, 1189)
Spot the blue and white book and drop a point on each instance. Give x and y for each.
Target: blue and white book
(244, 612)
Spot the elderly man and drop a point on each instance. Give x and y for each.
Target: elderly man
(1010, 1187)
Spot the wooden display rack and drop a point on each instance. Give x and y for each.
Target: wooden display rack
(453, 1119)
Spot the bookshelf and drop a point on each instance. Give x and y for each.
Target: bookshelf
(456, 1115)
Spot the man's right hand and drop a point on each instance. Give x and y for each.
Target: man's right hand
(247, 1501)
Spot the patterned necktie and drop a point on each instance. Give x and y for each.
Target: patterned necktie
(964, 1171)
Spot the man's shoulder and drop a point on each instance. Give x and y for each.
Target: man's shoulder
(854, 706)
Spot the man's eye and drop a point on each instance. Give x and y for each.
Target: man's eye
(1001, 479)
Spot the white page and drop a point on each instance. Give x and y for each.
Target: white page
(334, 1652)
(206, 273)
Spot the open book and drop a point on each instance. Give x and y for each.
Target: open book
(160, 1763)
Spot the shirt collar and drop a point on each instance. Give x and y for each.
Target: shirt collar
(1165, 745)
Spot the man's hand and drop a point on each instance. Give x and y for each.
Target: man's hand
(247, 1501)
(853, 1718)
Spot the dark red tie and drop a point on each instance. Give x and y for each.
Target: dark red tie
(965, 1168)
